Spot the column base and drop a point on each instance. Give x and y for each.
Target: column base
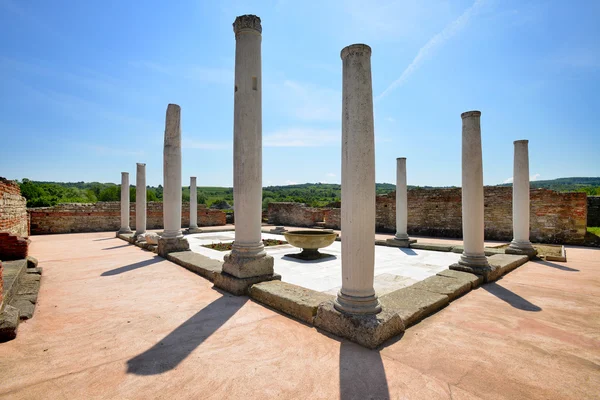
(244, 265)
(355, 305)
(191, 230)
(367, 330)
(395, 242)
(239, 286)
(475, 264)
(139, 236)
(521, 248)
(124, 231)
(171, 245)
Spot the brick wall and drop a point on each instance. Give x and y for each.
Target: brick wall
(554, 218)
(13, 211)
(593, 218)
(294, 214)
(13, 247)
(106, 216)
(1, 283)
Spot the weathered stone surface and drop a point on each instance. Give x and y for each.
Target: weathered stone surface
(9, 322)
(12, 273)
(431, 246)
(400, 242)
(28, 284)
(128, 237)
(367, 330)
(531, 252)
(171, 245)
(197, 263)
(488, 273)
(475, 280)
(247, 267)
(152, 238)
(37, 271)
(25, 307)
(240, 286)
(488, 251)
(506, 263)
(32, 262)
(294, 300)
(413, 305)
(294, 214)
(13, 211)
(453, 288)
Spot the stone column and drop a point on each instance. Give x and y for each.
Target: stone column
(357, 295)
(172, 239)
(193, 228)
(473, 257)
(401, 239)
(248, 263)
(520, 243)
(124, 203)
(140, 201)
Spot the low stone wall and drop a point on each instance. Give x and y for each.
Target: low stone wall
(554, 218)
(294, 214)
(13, 247)
(106, 216)
(13, 210)
(593, 218)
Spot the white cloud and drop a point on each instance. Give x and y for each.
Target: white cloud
(534, 177)
(436, 41)
(509, 180)
(302, 137)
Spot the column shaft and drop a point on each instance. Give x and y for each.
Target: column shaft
(172, 173)
(125, 203)
(140, 199)
(401, 200)
(193, 203)
(520, 242)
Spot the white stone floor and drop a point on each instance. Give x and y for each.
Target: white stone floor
(394, 267)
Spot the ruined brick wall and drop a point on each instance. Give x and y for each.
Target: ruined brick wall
(106, 216)
(554, 218)
(294, 214)
(332, 218)
(1, 283)
(13, 211)
(593, 204)
(13, 247)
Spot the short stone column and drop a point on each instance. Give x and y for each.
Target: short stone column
(193, 228)
(124, 204)
(140, 201)
(401, 239)
(520, 207)
(357, 295)
(172, 238)
(248, 262)
(473, 257)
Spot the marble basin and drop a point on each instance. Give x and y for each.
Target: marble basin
(310, 242)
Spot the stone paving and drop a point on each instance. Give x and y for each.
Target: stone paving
(395, 268)
(114, 321)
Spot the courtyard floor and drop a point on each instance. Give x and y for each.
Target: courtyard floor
(116, 322)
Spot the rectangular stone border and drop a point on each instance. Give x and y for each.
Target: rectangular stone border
(561, 258)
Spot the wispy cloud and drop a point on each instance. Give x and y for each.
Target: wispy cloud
(201, 145)
(533, 177)
(302, 137)
(436, 41)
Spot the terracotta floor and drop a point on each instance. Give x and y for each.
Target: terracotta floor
(116, 322)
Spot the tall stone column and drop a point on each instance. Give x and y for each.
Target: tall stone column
(357, 295)
(140, 201)
(193, 228)
(124, 203)
(473, 257)
(248, 262)
(401, 239)
(520, 243)
(172, 239)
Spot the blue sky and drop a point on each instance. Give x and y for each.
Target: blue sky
(85, 86)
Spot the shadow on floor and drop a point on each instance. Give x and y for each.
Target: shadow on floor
(325, 257)
(554, 265)
(116, 247)
(510, 297)
(108, 238)
(133, 266)
(407, 251)
(362, 375)
(177, 345)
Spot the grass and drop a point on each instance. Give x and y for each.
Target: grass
(227, 245)
(594, 230)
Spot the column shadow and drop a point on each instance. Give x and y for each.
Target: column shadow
(179, 344)
(362, 375)
(133, 266)
(108, 238)
(510, 297)
(408, 251)
(116, 247)
(554, 265)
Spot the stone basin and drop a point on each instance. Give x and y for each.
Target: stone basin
(310, 242)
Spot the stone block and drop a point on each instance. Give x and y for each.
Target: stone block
(489, 273)
(393, 242)
(367, 330)
(37, 271)
(28, 284)
(453, 288)
(431, 246)
(191, 231)
(475, 280)
(531, 253)
(506, 262)
(240, 286)
(9, 322)
(293, 300)
(171, 245)
(25, 307)
(128, 237)
(247, 267)
(197, 263)
(413, 305)
(152, 238)
(32, 262)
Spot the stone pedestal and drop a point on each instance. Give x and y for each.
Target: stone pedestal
(473, 257)
(140, 201)
(172, 239)
(124, 204)
(357, 295)
(520, 243)
(401, 238)
(193, 228)
(248, 263)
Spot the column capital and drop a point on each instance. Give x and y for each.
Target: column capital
(141, 164)
(401, 158)
(470, 114)
(247, 22)
(523, 141)
(356, 49)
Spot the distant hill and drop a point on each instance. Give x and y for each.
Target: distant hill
(567, 185)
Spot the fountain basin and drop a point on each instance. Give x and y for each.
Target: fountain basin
(310, 242)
